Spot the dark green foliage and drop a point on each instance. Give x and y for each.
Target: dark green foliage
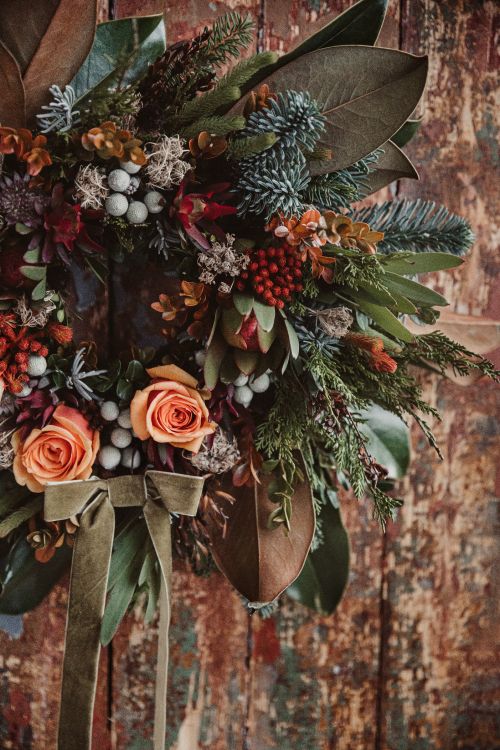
(243, 148)
(418, 226)
(294, 117)
(272, 183)
(230, 34)
(443, 352)
(339, 189)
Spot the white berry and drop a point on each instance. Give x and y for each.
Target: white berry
(154, 202)
(116, 204)
(109, 411)
(118, 180)
(121, 438)
(131, 458)
(109, 457)
(200, 357)
(137, 212)
(36, 365)
(243, 395)
(242, 379)
(133, 185)
(260, 384)
(26, 391)
(124, 419)
(130, 167)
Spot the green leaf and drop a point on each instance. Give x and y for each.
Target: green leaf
(246, 361)
(40, 290)
(20, 515)
(324, 577)
(420, 263)
(406, 132)
(32, 256)
(293, 339)
(213, 360)
(386, 320)
(265, 339)
(35, 273)
(265, 314)
(124, 389)
(26, 582)
(243, 303)
(359, 24)
(418, 293)
(392, 165)
(138, 40)
(387, 439)
(135, 371)
(229, 370)
(126, 564)
(23, 229)
(381, 97)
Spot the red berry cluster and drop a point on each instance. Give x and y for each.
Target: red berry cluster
(274, 274)
(16, 344)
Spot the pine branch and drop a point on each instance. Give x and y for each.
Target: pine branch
(418, 226)
(339, 189)
(294, 117)
(272, 183)
(244, 148)
(245, 69)
(205, 105)
(228, 36)
(215, 125)
(444, 352)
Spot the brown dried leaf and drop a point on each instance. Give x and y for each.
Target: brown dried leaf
(392, 165)
(12, 112)
(261, 562)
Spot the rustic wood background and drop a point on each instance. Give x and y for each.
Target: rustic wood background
(408, 662)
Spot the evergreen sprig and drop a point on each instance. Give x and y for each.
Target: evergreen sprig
(244, 148)
(418, 226)
(294, 117)
(444, 352)
(339, 189)
(272, 183)
(229, 34)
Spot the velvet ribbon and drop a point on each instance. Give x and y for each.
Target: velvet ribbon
(159, 494)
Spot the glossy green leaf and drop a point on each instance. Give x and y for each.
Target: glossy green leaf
(392, 165)
(135, 371)
(136, 41)
(356, 84)
(386, 320)
(418, 293)
(26, 582)
(324, 577)
(420, 263)
(406, 132)
(388, 439)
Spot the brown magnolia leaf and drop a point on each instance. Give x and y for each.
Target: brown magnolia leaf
(366, 94)
(61, 52)
(23, 24)
(392, 165)
(260, 562)
(12, 97)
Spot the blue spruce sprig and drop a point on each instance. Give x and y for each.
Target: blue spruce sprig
(272, 182)
(294, 117)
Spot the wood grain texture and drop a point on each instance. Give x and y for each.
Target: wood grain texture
(408, 660)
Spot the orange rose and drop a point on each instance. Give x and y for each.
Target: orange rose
(63, 450)
(171, 410)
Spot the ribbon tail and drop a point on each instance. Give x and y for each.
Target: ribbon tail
(158, 521)
(87, 595)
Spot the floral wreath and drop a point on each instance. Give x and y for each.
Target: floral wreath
(291, 312)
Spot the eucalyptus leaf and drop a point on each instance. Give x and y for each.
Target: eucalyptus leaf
(135, 41)
(414, 291)
(365, 93)
(415, 263)
(388, 439)
(35, 273)
(392, 165)
(386, 320)
(324, 577)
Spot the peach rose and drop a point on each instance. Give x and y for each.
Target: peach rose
(171, 410)
(63, 450)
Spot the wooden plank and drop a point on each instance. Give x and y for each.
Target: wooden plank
(440, 668)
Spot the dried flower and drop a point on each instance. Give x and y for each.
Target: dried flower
(37, 316)
(108, 141)
(91, 189)
(207, 145)
(21, 143)
(342, 230)
(335, 321)
(49, 537)
(166, 166)
(221, 456)
(298, 231)
(379, 359)
(259, 99)
(20, 203)
(222, 259)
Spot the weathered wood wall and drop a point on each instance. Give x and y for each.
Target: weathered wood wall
(408, 661)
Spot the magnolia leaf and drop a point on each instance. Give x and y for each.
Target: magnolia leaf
(12, 108)
(392, 165)
(414, 263)
(136, 41)
(406, 132)
(359, 24)
(418, 293)
(365, 93)
(386, 320)
(27, 582)
(260, 562)
(387, 439)
(49, 40)
(324, 577)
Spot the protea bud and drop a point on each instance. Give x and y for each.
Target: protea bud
(60, 333)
